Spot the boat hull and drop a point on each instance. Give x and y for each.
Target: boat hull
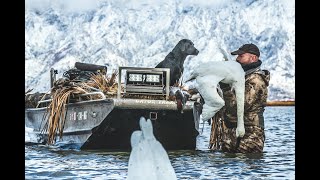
(109, 123)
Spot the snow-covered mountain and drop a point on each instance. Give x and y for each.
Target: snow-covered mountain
(115, 33)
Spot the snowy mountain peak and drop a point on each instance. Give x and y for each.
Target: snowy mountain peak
(141, 33)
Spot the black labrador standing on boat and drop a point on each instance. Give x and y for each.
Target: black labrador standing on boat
(175, 59)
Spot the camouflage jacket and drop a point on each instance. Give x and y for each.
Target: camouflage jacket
(256, 93)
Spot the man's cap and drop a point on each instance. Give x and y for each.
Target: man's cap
(247, 48)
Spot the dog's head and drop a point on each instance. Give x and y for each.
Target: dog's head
(187, 47)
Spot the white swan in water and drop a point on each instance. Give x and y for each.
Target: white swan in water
(148, 159)
(208, 75)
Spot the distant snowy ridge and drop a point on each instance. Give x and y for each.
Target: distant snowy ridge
(141, 33)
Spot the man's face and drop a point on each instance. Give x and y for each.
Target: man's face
(246, 58)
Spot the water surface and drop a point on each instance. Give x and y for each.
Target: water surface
(276, 162)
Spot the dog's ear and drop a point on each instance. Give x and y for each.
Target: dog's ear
(183, 47)
(185, 44)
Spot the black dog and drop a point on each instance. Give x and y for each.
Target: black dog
(175, 59)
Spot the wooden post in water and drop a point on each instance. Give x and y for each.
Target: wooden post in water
(280, 103)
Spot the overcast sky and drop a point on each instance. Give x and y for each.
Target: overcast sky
(80, 5)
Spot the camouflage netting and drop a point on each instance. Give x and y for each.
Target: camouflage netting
(31, 100)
